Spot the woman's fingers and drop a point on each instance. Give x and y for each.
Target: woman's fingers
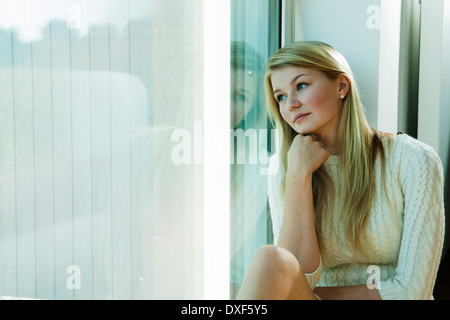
(306, 153)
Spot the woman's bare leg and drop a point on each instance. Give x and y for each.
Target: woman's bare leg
(275, 274)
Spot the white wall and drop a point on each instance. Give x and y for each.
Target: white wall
(380, 40)
(352, 27)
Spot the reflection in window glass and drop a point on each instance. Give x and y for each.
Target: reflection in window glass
(252, 141)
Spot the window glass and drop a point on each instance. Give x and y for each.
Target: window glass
(254, 38)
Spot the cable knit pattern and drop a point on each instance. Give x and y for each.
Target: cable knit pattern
(406, 232)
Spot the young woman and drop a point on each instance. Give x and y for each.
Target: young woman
(357, 213)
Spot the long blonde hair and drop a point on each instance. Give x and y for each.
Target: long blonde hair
(358, 144)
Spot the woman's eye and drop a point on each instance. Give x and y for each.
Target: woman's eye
(238, 97)
(281, 98)
(301, 86)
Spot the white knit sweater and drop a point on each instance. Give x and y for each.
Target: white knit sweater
(407, 239)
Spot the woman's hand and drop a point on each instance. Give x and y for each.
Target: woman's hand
(305, 155)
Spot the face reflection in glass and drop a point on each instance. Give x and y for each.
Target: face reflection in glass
(242, 94)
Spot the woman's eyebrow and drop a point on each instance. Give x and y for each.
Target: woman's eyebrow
(245, 91)
(293, 80)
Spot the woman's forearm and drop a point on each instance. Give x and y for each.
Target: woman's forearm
(298, 233)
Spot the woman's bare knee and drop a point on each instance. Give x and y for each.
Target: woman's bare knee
(270, 275)
(277, 260)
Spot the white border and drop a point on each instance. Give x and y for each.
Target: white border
(216, 149)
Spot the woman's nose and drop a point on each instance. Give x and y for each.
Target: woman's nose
(293, 102)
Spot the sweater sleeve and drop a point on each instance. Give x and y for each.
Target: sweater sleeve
(421, 179)
(276, 205)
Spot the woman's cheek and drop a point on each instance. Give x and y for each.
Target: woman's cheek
(313, 98)
(285, 114)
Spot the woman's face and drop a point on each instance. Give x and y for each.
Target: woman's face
(309, 102)
(242, 95)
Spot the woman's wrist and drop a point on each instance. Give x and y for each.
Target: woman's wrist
(298, 193)
(298, 178)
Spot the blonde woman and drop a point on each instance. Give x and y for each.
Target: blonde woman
(357, 213)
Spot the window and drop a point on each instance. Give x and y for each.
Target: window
(255, 37)
(114, 130)
(102, 108)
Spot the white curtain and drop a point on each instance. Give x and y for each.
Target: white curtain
(92, 205)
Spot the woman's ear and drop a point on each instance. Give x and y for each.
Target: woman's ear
(344, 85)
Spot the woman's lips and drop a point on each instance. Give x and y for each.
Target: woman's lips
(300, 117)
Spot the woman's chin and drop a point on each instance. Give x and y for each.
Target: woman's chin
(303, 130)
